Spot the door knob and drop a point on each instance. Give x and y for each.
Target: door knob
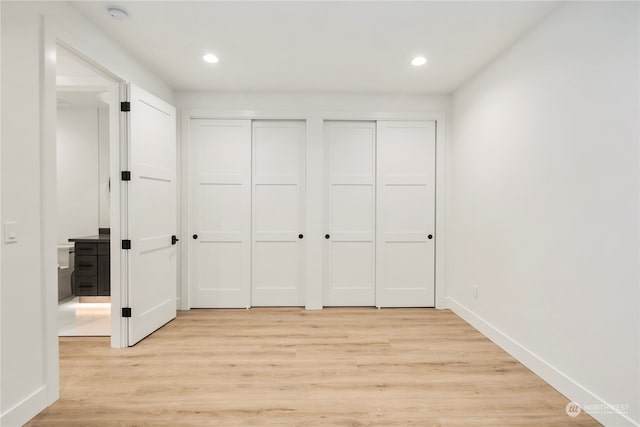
(300, 236)
(195, 236)
(326, 236)
(430, 236)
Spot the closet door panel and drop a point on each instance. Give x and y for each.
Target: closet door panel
(278, 197)
(220, 241)
(406, 214)
(349, 278)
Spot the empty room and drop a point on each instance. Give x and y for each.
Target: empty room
(320, 213)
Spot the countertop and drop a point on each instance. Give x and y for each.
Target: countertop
(99, 238)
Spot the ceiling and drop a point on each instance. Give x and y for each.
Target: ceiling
(82, 99)
(72, 74)
(78, 84)
(316, 46)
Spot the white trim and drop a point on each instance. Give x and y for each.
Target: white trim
(26, 409)
(441, 146)
(550, 374)
(314, 225)
(315, 190)
(179, 209)
(307, 114)
(48, 213)
(118, 131)
(184, 196)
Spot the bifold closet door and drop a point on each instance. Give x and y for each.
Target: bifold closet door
(350, 156)
(278, 197)
(220, 240)
(406, 214)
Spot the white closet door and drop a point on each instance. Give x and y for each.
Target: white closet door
(220, 240)
(278, 196)
(406, 214)
(350, 149)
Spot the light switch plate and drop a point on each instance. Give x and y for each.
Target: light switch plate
(10, 232)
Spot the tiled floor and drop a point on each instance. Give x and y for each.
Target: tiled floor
(86, 319)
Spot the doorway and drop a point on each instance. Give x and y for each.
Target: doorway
(83, 188)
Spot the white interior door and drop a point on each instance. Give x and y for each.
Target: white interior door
(406, 214)
(350, 153)
(278, 212)
(220, 241)
(151, 217)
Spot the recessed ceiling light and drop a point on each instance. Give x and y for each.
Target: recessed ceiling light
(210, 58)
(117, 13)
(418, 61)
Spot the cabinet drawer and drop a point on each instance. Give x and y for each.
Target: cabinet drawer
(86, 286)
(86, 249)
(86, 265)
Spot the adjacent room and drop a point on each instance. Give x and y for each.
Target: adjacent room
(83, 187)
(354, 213)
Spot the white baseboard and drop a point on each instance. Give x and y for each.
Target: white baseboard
(558, 380)
(26, 409)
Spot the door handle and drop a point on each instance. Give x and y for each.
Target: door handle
(300, 236)
(430, 236)
(326, 236)
(195, 236)
(174, 240)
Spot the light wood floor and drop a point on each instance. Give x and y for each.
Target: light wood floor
(291, 367)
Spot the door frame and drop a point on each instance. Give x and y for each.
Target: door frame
(53, 39)
(314, 194)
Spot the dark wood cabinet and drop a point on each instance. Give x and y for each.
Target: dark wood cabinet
(92, 276)
(104, 272)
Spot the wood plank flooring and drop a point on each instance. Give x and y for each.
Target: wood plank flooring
(291, 367)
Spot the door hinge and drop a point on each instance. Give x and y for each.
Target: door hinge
(125, 175)
(126, 312)
(125, 106)
(126, 244)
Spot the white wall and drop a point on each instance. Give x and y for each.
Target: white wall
(543, 215)
(28, 280)
(103, 166)
(77, 172)
(314, 108)
(22, 363)
(322, 102)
